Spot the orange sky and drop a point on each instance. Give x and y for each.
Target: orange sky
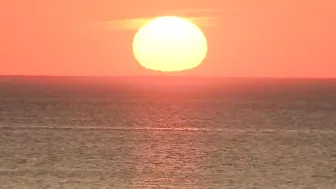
(287, 38)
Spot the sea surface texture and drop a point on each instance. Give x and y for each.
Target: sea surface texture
(174, 133)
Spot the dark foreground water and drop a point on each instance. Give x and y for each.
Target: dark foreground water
(167, 133)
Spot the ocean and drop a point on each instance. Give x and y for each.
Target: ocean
(167, 132)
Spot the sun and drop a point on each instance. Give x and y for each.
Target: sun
(170, 44)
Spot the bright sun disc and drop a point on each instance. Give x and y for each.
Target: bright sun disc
(169, 44)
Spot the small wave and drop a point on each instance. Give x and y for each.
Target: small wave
(195, 129)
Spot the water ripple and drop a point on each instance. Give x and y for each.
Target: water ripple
(195, 129)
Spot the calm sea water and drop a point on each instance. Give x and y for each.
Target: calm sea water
(70, 132)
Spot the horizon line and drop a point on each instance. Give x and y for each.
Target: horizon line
(166, 76)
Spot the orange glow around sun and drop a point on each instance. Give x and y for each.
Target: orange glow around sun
(169, 44)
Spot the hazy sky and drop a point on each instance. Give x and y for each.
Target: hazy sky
(295, 38)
